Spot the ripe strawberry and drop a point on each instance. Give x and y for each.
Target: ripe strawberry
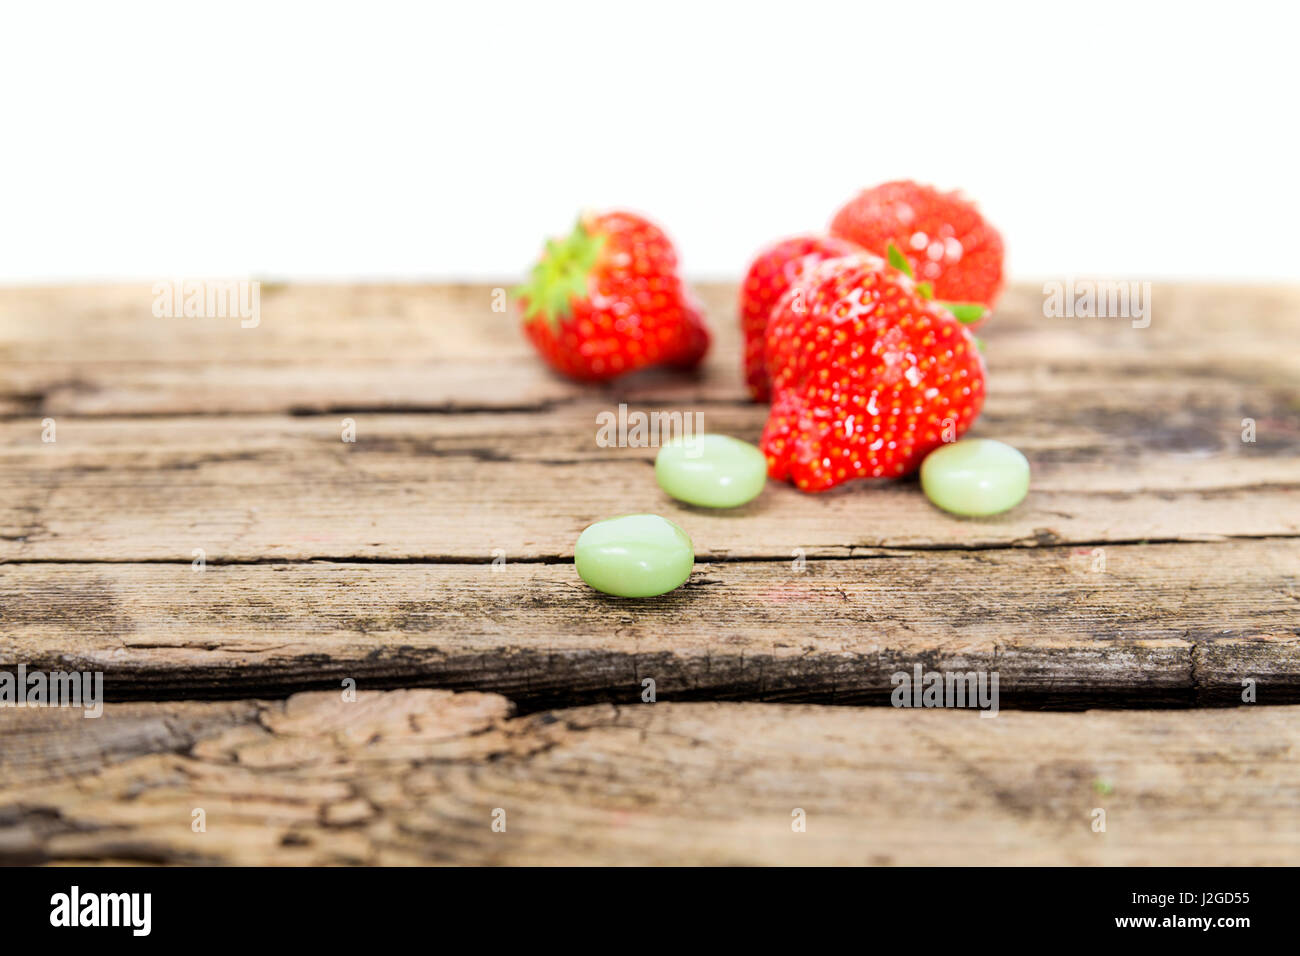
(770, 274)
(868, 376)
(607, 300)
(943, 236)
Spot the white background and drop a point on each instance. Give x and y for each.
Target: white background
(446, 140)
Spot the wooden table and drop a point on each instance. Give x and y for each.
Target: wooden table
(1153, 569)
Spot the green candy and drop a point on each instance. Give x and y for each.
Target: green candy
(634, 556)
(975, 477)
(714, 471)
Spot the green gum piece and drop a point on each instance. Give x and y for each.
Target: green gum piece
(634, 556)
(975, 478)
(712, 471)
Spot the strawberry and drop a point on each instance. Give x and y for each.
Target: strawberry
(868, 375)
(770, 274)
(943, 236)
(607, 300)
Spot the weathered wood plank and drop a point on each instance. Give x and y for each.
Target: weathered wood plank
(1177, 623)
(415, 777)
(82, 351)
(1135, 434)
(463, 486)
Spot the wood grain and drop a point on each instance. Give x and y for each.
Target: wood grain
(98, 350)
(460, 487)
(415, 777)
(1180, 623)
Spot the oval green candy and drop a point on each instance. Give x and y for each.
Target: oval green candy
(975, 477)
(634, 556)
(714, 471)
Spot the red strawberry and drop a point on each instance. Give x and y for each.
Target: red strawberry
(943, 236)
(770, 274)
(867, 377)
(607, 300)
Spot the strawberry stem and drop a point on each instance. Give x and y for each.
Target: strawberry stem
(561, 275)
(965, 312)
(899, 261)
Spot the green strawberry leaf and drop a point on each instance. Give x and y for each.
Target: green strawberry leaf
(979, 343)
(965, 312)
(926, 289)
(560, 276)
(899, 261)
